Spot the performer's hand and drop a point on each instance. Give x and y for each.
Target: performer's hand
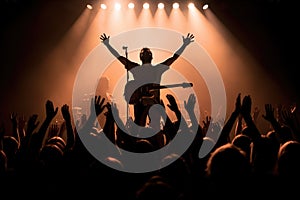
(188, 39)
(105, 38)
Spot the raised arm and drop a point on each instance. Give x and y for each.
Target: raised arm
(36, 141)
(186, 41)
(227, 128)
(174, 107)
(254, 133)
(15, 130)
(97, 106)
(127, 63)
(70, 132)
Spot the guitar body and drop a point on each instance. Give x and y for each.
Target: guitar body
(147, 94)
(144, 92)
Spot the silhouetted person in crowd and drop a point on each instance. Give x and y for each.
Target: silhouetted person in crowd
(157, 188)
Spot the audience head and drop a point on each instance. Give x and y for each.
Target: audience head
(264, 156)
(288, 165)
(156, 188)
(58, 141)
(244, 143)
(51, 156)
(228, 162)
(10, 147)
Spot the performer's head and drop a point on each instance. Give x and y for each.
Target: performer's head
(146, 55)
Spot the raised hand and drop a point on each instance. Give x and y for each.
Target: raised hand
(32, 123)
(190, 104)
(288, 118)
(50, 111)
(99, 104)
(104, 38)
(238, 104)
(65, 112)
(269, 116)
(246, 106)
(188, 39)
(172, 103)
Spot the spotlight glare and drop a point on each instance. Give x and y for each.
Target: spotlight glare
(103, 6)
(131, 5)
(89, 6)
(175, 5)
(205, 6)
(146, 5)
(160, 5)
(191, 5)
(117, 6)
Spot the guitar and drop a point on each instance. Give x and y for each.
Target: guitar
(148, 93)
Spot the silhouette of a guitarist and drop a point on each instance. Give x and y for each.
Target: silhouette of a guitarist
(146, 73)
(148, 94)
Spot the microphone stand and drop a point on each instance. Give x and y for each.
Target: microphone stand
(127, 79)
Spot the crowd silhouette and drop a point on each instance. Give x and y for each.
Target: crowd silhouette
(47, 158)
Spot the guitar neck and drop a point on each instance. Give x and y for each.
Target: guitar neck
(172, 85)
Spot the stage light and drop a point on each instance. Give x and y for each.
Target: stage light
(146, 5)
(89, 6)
(117, 6)
(160, 5)
(103, 6)
(175, 5)
(205, 6)
(131, 5)
(191, 5)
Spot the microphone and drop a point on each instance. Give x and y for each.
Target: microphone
(124, 47)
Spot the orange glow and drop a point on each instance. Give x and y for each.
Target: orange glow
(178, 20)
(145, 18)
(161, 18)
(230, 56)
(198, 24)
